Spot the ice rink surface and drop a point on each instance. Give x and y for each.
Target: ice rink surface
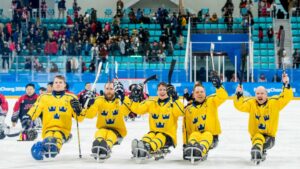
(233, 151)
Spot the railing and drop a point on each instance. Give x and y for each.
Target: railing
(25, 68)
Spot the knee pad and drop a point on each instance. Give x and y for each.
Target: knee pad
(37, 151)
(50, 147)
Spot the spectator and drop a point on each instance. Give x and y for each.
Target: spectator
(181, 42)
(28, 63)
(122, 46)
(262, 78)
(183, 22)
(29, 8)
(206, 17)
(245, 24)
(280, 37)
(5, 56)
(233, 79)
(131, 16)
(280, 14)
(107, 27)
(120, 6)
(260, 34)
(276, 78)
(199, 15)
(170, 48)
(249, 5)
(296, 59)
(94, 15)
(61, 8)
(37, 65)
(74, 65)
(229, 21)
(103, 53)
(86, 48)
(243, 4)
(64, 48)
(53, 68)
(281, 53)
(270, 33)
(76, 10)
(70, 22)
(92, 67)
(222, 78)
(83, 67)
(286, 62)
(94, 52)
(161, 56)
(228, 7)
(214, 18)
(43, 9)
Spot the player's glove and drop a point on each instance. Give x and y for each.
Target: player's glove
(76, 106)
(26, 122)
(239, 92)
(286, 80)
(88, 98)
(136, 92)
(216, 81)
(15, 117)
(119, 90)
(171, 92)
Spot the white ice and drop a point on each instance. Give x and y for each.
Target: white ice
(233, 151)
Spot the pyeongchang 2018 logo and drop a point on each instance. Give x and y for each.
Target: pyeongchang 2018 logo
(275, 90)
(12, 89)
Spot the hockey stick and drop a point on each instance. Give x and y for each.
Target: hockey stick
(94, 84)
(212, 47)
(153, 77)
(242, 71)
(117, 78)
(172, 66)
(85, 106)
(116, 70)
(78, 135)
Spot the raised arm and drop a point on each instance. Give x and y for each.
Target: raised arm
(286, 95)
(240, 103)
(221, 94)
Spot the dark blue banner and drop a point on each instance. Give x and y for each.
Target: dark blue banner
(17, 89)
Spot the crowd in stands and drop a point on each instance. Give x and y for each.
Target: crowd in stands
(85, 35)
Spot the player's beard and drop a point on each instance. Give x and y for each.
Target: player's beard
(109, 96)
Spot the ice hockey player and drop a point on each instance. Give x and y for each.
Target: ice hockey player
(21, 107)
(3, 112)
(201, 125)
(50, 87)
(263, 116)
(110, 110)
(42, 90)
(163, 115)
(58, 109)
